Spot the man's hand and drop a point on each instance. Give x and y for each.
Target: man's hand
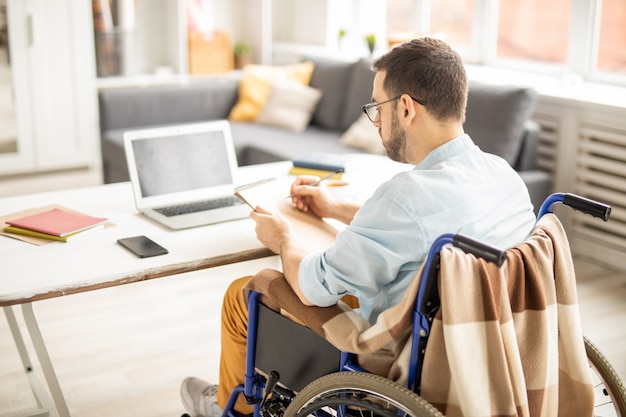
(316, 199)
(272, 229)
(320, 201)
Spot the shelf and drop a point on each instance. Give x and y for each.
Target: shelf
(141, 80)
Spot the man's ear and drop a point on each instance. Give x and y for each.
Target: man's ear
(407, 109)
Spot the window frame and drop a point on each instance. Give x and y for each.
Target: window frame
(582, 48)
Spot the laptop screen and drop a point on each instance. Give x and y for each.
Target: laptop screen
(184, 162)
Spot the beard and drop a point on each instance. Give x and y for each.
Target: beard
(396, 145)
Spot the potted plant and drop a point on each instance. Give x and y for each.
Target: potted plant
(243, 54)
(340, 35)
(370, 38)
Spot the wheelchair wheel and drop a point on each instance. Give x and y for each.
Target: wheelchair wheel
(610, 394)
(358, 394)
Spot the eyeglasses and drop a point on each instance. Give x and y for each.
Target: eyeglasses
(373, 112)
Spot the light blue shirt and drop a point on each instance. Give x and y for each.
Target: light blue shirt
(457, 188)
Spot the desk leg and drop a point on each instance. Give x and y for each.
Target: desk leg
(46, 401)
(44, 360)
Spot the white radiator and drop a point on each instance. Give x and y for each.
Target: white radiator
(587, 156)
(548, 139)
(600, 174)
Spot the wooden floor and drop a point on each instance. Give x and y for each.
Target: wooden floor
(124, 351)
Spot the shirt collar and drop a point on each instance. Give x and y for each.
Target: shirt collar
(448, 150)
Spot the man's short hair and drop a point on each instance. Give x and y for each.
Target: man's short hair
(427, 69)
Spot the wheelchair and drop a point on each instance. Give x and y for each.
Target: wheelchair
(291, 371)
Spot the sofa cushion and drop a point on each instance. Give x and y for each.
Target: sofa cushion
(256, 85)
(258, 144)
(495, 117)
(331, 77)
(358, 92)
(362, 134)
(147, 106)
(290, 105)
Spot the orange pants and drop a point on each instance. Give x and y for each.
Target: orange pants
(234, 337)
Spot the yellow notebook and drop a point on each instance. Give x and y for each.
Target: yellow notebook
(26, 232)
(315, 172)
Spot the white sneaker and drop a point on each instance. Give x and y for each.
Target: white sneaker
(200, 398)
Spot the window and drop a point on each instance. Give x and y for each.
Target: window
(534, 30)
(611, 56)
(453, 20)
(582, 38)
(401, 16)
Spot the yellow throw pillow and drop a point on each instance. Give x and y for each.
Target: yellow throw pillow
(256, 85)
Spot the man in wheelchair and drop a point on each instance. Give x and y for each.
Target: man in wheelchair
(418, 105)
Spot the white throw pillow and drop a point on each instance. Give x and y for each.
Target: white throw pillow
(290, 105)
(362, 134)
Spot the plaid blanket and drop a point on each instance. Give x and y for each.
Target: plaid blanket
(505, 342)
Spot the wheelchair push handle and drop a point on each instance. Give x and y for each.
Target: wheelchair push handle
(587, 206)
(582, 204)
(479, 249)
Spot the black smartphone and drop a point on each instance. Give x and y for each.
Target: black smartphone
(142, 247)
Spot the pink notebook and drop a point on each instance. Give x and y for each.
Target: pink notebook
(57, 222)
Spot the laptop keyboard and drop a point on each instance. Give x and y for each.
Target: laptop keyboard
(194, 207)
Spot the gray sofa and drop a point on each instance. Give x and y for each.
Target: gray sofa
(498, 119)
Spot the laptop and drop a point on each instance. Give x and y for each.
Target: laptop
(184, 176)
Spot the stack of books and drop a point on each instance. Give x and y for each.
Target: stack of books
(319, 164)
(54, 224)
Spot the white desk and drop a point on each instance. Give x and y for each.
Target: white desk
(29, 273)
